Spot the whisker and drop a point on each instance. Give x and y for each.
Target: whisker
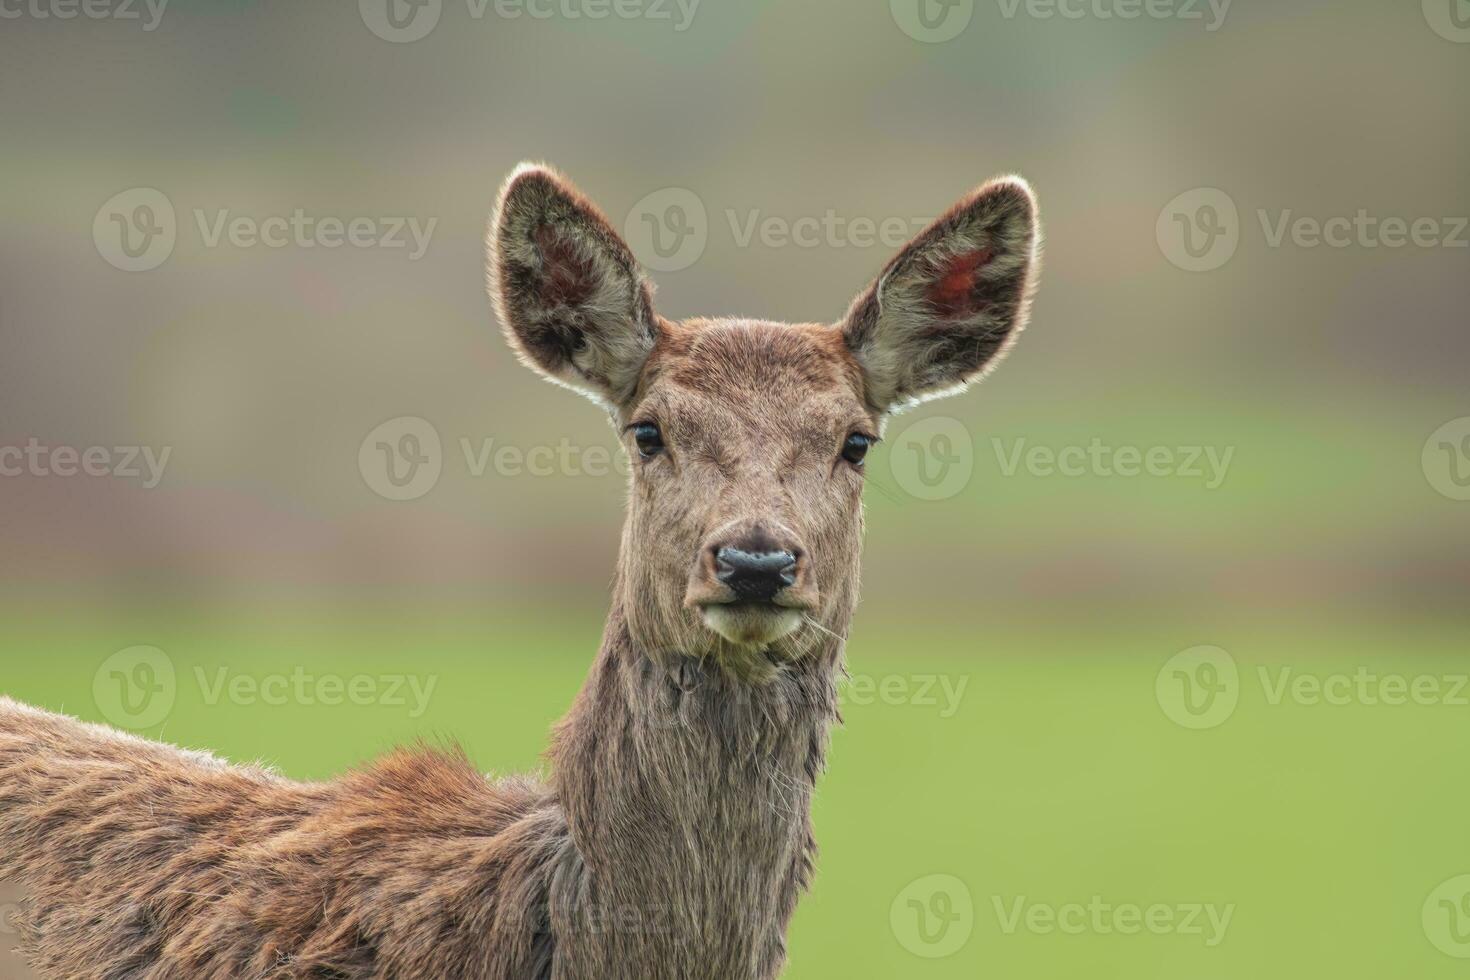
(811, 621)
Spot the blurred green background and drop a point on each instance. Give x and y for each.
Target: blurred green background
(1064, 762)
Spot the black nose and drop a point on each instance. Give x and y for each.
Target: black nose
(755, 576)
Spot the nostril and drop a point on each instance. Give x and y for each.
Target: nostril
(755, 575)
(787, 570)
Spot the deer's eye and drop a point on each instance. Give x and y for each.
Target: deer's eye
(650, 441)
(855, 449)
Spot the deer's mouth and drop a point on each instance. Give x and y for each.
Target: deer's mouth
(751, 622)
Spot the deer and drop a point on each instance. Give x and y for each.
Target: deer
(671, 834)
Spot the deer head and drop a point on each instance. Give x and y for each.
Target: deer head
(748, 438)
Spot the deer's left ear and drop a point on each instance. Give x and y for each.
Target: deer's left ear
(950, 304)
(572, 299)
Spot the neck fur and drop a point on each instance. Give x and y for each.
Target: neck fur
(687, 794)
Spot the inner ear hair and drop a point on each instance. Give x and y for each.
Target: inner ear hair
(948, 306)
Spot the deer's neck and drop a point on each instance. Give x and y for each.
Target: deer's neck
(687, 795)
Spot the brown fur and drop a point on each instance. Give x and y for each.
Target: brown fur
(673, 837)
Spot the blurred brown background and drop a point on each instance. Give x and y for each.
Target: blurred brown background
(264, 368)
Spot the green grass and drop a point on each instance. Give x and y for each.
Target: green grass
(1054, 778)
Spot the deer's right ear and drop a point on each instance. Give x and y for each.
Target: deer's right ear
(572, 300)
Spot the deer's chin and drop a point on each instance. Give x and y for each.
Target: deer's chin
(751, 624)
